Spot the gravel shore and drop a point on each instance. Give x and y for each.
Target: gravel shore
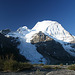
(54, 72)
(62, 72)
(41, 71)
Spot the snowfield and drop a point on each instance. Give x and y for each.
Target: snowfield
(51, 28)
(30, 52)
(27, 49)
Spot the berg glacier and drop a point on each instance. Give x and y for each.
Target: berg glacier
(52, 29)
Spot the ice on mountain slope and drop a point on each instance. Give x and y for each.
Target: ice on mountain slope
(50, 28)
(30, 52)
(21, 32)
(27, 49)
(53, 29)
(67, 47)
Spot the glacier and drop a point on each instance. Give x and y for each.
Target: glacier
(51, 28)
(54, 30)
(27, 49)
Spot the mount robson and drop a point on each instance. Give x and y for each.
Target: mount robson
(47, 42)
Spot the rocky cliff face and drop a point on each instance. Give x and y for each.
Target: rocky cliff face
(8, 48)
(50, 49)
(5, 31)
(40, 37)
(47, 40)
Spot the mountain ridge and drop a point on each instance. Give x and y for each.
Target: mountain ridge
(51, 29)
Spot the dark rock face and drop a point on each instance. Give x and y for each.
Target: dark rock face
(40, 37)
(50, 49)
(8, 47)
(5, 31)
(54, 51)
(73, 45)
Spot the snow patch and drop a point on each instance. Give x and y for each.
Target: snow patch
(30, 52)
(27, 49)
(53, 29)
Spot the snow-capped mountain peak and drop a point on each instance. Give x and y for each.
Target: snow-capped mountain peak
(24, 28)
(53, 29)
(50, 28)
(45, 30)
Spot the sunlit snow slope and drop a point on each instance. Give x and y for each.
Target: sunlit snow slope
(27, 49)
(54, 29)
(51, 28)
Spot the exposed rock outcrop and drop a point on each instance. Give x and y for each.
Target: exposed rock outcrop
(40, 37)
(5, 31)
(50, 49)
(8, 47)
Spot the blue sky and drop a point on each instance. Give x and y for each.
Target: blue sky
(17, 13)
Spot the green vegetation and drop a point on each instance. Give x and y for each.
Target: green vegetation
(47, 67)
(23, 66)
(61, 64)
(56, 67)
(51, 67)
(41, 64)
(13, 65)
(10, 65)
(10, 57)
(1, 65)
(72, 67)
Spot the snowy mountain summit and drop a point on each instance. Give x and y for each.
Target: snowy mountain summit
(53, 37)
(54, 29)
